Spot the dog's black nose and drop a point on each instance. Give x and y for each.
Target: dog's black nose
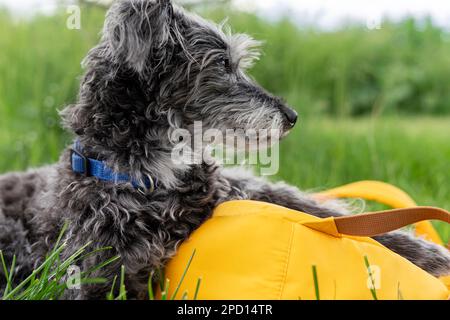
(290, 114)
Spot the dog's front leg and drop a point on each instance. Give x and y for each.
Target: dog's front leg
(432, 258)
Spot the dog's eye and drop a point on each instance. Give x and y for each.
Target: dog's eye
(224, 62)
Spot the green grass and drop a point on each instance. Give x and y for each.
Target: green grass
(39, 70)
(50, 281)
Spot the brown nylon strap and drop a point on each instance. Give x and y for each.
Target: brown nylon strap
(375, 223)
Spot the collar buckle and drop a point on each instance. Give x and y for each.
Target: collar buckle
(86, 163)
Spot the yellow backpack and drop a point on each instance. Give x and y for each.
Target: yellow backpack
(257, 250)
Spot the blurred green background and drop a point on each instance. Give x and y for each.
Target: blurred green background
(373, 104)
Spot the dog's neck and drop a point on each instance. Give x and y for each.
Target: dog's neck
(157, 166)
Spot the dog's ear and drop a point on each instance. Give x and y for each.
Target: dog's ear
(134, 29)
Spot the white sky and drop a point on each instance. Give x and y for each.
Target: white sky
(329, 13)
(27, 6)
(326, 13)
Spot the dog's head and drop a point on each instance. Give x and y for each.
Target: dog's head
(158, 68)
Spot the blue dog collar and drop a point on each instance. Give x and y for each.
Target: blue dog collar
(96, 168)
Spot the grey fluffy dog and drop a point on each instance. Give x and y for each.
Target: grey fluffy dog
(157, 68)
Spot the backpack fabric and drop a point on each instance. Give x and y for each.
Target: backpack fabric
(258, 250)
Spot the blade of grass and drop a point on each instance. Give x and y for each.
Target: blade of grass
(197, 288)
(122, 292)
(93, 281)
(151, 296)
(101, 265)
(110, 295)
(11, 271)
(93, 252)
(161, 278)
(316, 282)
(183, 275)
(165, 291)
(61, 234)
(399, 293)
(372, 289)
(6, 272)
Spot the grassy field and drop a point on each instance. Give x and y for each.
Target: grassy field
(327, 76)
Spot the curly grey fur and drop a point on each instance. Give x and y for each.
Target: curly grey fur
(157, 68)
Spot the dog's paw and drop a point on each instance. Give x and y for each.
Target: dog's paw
(436, 260)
